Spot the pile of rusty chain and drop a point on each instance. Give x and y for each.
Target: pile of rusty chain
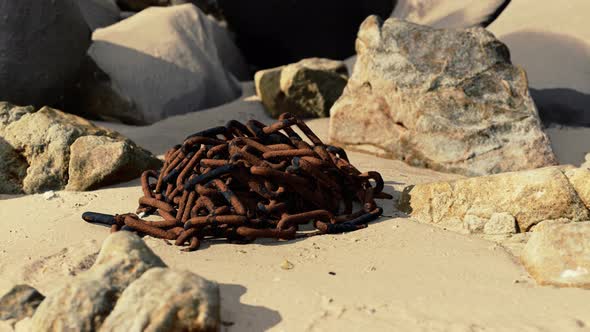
(242, 182)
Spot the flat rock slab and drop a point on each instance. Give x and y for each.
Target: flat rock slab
(449, 100)
(528, 196)
(559, 254)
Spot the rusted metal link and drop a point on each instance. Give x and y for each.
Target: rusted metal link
(241, 182)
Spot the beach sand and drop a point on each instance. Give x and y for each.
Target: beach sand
(395, 275)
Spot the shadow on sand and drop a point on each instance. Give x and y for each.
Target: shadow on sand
(237, 316)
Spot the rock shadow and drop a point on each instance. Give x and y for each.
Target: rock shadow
(237, 316)
(560, 62)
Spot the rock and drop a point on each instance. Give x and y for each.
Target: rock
(175, 69)
(561, 92)
(307, 88)
(97, 161)
(166, 300)
(474, 224)
(273, 33)
(40, 142)
(449, 100)
(500, 224)
(83, 303)
(20, 302)
(42, 43)
(99, 13)
(559, 254)
(530, 196)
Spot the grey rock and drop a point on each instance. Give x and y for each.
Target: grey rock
(559, 254)
(83, 303)
(166, 300)
(178, 69)
(97, 161)
(20, 302)
(449, 100)
(500, 224)
(307, 88)
(530, 196)
(42, 43)
(99, 13)
(36, 152)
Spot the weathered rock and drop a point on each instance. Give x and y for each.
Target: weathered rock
(559, 254)
(166, 300)
(40, 143)
(474, 224)
(530, 196)
(500, 224)
(97, 161)
(20, 302)
(307, 88)
(99, 13)
(84, 303)
(179, 68)
(42, 43)
(449, 100)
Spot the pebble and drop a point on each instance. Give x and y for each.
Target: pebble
(286, 265)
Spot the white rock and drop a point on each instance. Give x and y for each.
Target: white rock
(500, 224)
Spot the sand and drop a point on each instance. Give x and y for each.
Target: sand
(395, 275)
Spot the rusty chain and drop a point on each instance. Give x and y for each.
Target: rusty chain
(243, 182)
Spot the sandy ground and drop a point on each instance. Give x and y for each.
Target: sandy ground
(395, 275)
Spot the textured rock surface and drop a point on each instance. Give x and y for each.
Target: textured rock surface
(177, 69)
(97, 161)
(307, 88)
(559, 254)
(529, 196)
(500, 224)
(166, 300)
(84, 303)
(20, 302)
(449, 100)
(42, 43)
(99, 13)
(39, 142)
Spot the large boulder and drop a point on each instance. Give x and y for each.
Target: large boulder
(449, 100)
(272, 33)
(83, 303)
(99, 13)
(44, 149)
(42, 43)
(307, 88)
(177, 67)
(551, 41)
(166, 300)
(559, 254)
(489, 204)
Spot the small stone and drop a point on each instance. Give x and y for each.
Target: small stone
(307, 88)
(49, 195)
(500, 224)
(20, 302)
(286, 265)
(474, 224)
